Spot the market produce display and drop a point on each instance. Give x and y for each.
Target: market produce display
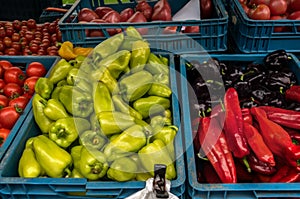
(16, 89)
(108, 115)
(27, 37)
(254, 120)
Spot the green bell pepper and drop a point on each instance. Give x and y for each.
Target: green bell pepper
(133, 32)
(75, 154)
(92, 164)
(60, 71)
(44, 87)
(161, 79)
(55, 92)
(104, 76)
(151, 105)
(167, 134)
(62, 82)
(55, 110)
(102, 98)
(131, 139)
(124, 107)
(107, 47)
(66, 130)
(28, 165)
(135, 85)
(156, 66)
(76, 174)
(140, 54)
(76, 63)
(156, 153)
(112, 122)
(76, 102)
(79, 79)
(116, 63)
(160, 90)
(122, 169)
(127, 43)
(92, 139)
(54, 160)
(95, 126)
(164, 60)
(38, 105)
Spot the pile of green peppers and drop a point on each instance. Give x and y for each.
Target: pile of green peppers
(105, 116)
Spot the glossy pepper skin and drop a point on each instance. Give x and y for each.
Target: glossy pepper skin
(44, 87)
(259, 166)
(55, 92)
(104, 76)
(276, 138)
(116, 63)
(113, 122)
(135, 85)
(65, 131)
(132, 32)
(38, 105)
(214, 144)
(155, 104)
(276, 60)
(257, 144)
(122, 169)
(92, 164)
(156, 153)
(75, 154)
(124, 107)
(54, 110)
(92, 139)
(233, 125)
(155, 65)
(66, 51)
(60, 71)
(131, 139)
(28, 165)
(54, 160)
(108, 47)
(102, 98)
(160, 90)
(284, 117)
(140, 54)
(76, 102)
(293, 93)
(286, 174)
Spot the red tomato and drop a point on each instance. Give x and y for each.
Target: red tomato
(206, 9)
(2, 84)
(294, 15)
(19, 103)
(29, 84)
(3, 135)
(294, 5)
(3, 101)
(5, 64)
(278, 7)
(14, 75)
(257, 2)
(245, 8)
(36, 69)
(191, 29)
(12, 90)
(8, 117)
(31, 24)
(170, 30)
(261, 12)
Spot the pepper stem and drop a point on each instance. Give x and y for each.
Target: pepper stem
(246, 163)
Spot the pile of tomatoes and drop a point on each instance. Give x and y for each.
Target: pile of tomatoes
(16, 89)
(26, 37)
(272, 10)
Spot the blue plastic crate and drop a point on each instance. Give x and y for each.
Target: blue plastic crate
(212, 36)
(23, 62)
(12, 186)
(258, 36)
(223, 190)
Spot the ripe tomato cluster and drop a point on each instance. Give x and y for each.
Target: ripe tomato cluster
(26, 37)
(272, 10)
(16, 89)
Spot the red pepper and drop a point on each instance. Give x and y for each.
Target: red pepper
(293, 93)
(284, 117)
(214, 145)
(234, 125)
(294, 134)
(3, 135)
(210, 174)
(247, 117)
(260, 166)
(286, 174)
(276, 138)
(257, 144)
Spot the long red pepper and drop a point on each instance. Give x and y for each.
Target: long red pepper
(276, 138)
(214, 145)
(286, 174)
(284, 117)
(257, 144)
(293, 93)
(234, 125)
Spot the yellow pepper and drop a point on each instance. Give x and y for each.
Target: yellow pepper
(66, 51)
(82, 51)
